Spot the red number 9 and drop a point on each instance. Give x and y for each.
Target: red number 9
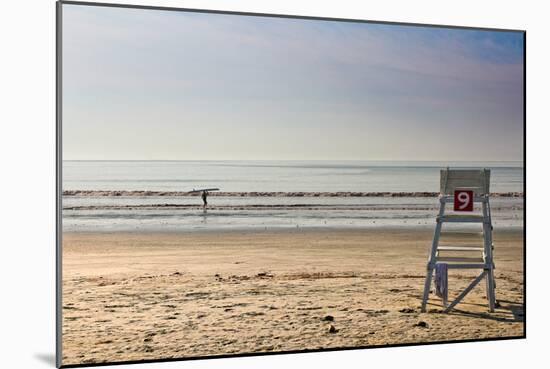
(463, 199)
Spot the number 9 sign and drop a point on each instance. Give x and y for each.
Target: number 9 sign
(464, 200)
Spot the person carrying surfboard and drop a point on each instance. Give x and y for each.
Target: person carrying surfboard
(204, 195)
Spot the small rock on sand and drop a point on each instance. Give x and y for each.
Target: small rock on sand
(422, 324)
(407, 311)
(264, 274)
(328, 318)
(332, 329)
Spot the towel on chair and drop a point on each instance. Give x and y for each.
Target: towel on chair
(441, 283)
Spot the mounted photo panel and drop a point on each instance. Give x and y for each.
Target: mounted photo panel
(234, 184)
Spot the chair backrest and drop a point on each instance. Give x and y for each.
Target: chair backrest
(476, 180)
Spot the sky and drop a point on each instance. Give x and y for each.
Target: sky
(160, 85)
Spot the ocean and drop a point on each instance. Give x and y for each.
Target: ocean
(152, 195)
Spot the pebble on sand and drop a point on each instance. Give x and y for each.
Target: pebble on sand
(264, 274)
(328, 318)
(332, 329)
(407, 311)
(422, 324)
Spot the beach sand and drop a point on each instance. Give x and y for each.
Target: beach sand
(136, 296)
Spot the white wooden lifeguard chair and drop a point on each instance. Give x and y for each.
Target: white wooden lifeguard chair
(463, 188)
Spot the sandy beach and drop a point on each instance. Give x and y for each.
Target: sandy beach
(135, 296)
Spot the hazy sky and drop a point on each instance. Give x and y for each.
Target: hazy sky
(145, 84)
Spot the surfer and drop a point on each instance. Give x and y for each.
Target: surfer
(204, 192)
(204, 202)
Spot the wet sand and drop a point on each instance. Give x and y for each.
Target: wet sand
(135, 296)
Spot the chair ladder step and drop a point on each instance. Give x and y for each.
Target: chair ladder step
(459, 218)
(469, 266)
(460, 248)
(455, 259)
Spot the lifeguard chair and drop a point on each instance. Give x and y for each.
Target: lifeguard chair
(463, 188)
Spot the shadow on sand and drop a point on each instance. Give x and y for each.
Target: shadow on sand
(508, 311)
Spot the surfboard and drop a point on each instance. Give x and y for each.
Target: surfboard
(204, 189)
